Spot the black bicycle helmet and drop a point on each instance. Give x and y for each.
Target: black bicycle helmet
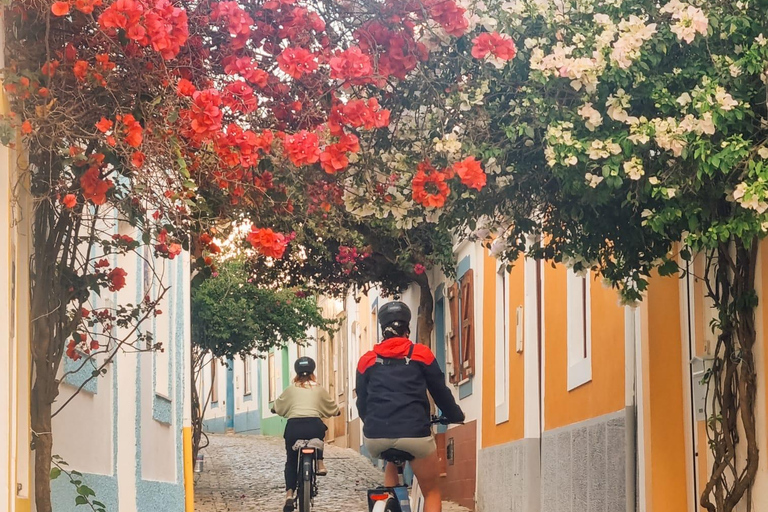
(304, 366)
(394, 311)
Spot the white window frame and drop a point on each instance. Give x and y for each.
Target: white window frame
(247, 369)
(579, 320)
(272, 377)
(214, 381)
(502, 352)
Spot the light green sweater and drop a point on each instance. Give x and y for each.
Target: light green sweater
(310, 402)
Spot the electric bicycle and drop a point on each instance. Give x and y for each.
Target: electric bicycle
(398, 499)
(306, 486)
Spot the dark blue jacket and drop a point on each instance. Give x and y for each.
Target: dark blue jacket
(392, 390)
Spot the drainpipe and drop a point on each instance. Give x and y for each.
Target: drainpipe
(186, 421)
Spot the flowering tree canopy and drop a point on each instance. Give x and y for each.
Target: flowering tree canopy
(176, 117)
(619, 137)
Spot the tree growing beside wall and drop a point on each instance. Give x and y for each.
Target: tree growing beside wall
(626, 137)
(232, 317)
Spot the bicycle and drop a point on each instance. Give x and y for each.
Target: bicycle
(306, 486)
(397, 499)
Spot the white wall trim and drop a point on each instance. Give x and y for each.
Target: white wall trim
(533, 401)
(641, 350)
(502, 343)
(688, 348)
(579, 363)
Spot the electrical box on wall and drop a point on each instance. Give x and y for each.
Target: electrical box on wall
(700, 374)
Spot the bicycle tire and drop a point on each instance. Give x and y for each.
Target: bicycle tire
(305, 485)
(386, 506)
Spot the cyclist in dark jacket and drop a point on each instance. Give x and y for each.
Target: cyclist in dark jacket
(392, 384)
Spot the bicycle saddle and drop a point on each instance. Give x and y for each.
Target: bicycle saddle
(394, 455)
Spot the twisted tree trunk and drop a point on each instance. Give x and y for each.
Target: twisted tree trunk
(425, 321)
(733, 379)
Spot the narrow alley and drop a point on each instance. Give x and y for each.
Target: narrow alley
(245, 474)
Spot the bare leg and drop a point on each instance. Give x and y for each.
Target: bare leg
(391, 477)
(426, 471)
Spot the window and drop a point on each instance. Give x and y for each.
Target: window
(502, 345)
(461, 297)
(247, 375)
(271, 373)
(214, 381)
(579, 320)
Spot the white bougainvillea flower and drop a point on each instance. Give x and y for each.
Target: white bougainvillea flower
(592, 117)
(634, 168)
(593, 180)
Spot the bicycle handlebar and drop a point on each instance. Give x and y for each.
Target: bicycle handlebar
(441, 420)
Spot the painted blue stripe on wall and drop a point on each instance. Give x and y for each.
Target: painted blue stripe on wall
(462, 267)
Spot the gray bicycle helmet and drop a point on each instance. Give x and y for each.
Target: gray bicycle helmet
(395, 311)
(304, 366)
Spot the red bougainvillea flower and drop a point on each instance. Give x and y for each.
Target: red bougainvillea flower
(296, 62)
(185, 88)
(335, 156)
(26, 127)
(49, 68)
(104, 63)
(247, 68)
(205, 113)
(87, 6)
(174, 250)
(132, 130)
(116, 279)
(419, 269)
(104, 125)
(359, 113)
(303, 148)
(450, 16)
(72, 352)
(471, 173)
(80, 70)
(137, 159)
(239, 97)
(94, 187)
(236, 20)
(397, 50)
(267, 242)
(429, 187)
(69, 201)
(167, 28)
(494, 44)
(351, 65)
(161, 25)
(60, 8)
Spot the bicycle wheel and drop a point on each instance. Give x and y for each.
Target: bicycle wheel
(389, 505)
(305, 484)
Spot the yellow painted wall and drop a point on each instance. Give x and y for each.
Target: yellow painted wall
(665, 421)
(605, 393)
(513, 429)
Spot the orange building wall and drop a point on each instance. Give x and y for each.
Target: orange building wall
(605, 393)
(513, 429)
(665, 423)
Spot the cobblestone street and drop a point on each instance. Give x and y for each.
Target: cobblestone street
(245, 474)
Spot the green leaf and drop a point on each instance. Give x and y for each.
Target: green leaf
(55, 473)
(81, 500)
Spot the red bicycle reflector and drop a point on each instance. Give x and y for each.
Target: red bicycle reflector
(307, 450)
(379, 497)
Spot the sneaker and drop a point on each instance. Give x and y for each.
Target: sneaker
(321, 469)
(289, 506)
